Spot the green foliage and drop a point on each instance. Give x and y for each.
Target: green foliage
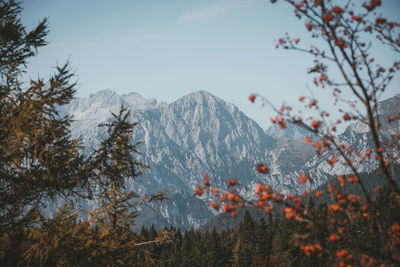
(114, 158)
(258, 243)
(17, 45)
(251, 244)
(41, 162)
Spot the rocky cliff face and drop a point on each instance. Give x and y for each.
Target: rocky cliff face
(292, 132)
(198, 133)
(358, 136)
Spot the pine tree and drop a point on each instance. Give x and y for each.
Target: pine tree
(246, 235)
(236, 259)
(40, 162)
(262, 242)
(38, 158)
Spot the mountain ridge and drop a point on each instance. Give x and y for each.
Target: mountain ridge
(197, 133)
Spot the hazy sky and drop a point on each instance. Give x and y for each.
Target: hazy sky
(166, 49)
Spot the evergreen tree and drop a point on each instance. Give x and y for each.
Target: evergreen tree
(236, 256)
(246, 235)
(41, 162)
(38, 158)
(262, 242)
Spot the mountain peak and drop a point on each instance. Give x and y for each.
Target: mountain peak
(199, 95)
(100, 104)
(104, 93)
(201, 98)
(292, 132)
(389, 106)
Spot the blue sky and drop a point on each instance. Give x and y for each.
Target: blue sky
(166, 49)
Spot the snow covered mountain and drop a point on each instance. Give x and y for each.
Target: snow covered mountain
(195, 134)
(292, 132)
(357, 135)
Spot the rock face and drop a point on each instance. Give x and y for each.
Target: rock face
(292, 132)
(358, 136)
(195, 134)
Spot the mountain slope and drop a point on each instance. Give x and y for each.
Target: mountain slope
(358, 136)
(292, 132)
(195, 134)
